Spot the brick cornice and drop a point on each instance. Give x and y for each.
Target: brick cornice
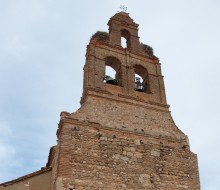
(125, 99)
(120, 50)
(99, 127)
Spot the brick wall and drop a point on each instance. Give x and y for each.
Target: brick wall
(93, 157)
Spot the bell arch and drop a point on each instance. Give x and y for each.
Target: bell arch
(125, 35)
(141, 79)
(113, 74)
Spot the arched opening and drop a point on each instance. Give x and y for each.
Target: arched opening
(112, 71)
(141, 79)
(138, 77)
(125, 39)
(123, 42)
(110, 75)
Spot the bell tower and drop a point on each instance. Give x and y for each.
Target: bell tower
(123, 135)
(105, 49)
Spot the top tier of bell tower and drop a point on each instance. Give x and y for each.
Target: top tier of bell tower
(137, 72)
(121, 25)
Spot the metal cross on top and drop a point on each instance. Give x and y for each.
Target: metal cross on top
(123, 8)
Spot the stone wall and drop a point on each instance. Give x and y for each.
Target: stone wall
(128, 114)
(93, 157)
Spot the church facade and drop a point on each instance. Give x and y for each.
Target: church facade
(123, 135)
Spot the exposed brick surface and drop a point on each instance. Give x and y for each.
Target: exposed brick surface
(94, 157)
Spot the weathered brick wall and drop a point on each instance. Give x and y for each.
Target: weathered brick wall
(92, 157)
(94, 71)
(126, 114)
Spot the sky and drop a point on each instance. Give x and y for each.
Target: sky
(42, 54)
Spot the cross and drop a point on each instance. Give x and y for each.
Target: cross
(123, 8)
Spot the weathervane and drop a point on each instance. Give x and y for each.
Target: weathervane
(123, 8)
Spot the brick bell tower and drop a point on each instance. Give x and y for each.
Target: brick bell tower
(123, 135)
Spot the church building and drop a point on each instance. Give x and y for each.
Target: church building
(123, 136)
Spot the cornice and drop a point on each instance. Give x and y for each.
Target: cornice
(99, 127)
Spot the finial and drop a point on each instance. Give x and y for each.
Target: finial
(123, 8)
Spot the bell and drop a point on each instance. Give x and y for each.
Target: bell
(110, 80)
(138, 85)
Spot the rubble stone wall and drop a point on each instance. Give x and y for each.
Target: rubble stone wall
(96, 158)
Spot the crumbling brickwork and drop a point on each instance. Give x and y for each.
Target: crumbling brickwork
(95, 157)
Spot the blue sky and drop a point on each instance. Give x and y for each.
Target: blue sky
(42, 53)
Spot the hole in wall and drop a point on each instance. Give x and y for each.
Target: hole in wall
(141, 79)
(110, 71)
(110, 75)
(139, 86)
(125, 39)
(138, 76)
(113, 73)
(123, 42)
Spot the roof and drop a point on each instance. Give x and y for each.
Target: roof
(43, 170)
